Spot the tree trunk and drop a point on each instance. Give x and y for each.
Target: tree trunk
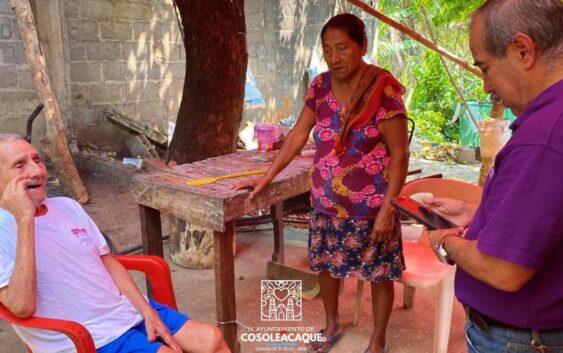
(212, 102)
(55, 142)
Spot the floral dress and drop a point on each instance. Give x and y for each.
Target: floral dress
(347, 190)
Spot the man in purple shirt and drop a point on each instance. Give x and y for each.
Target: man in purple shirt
(510, 259)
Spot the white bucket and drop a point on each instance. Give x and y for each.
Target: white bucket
(493, 135)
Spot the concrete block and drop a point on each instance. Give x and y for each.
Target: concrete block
(252, 8)
(77, 50)
(6, 28)
(172, 71)
(147, 31)
(142, 90)
(71, 9)
(173, 89)
(117, 71)
(2, 108)
(6, 8)
(8, 77)
(19, 101)
(129, 109)
(103, 50)
(172, 106)
(14, 123)
(116, 30)
(25, 79)
(17, 34)
(182, 53)
(178, 70)
(136, 52)
(157, 71)
(83, 30)
(173, 36)
(128, 10)
(6, 53)
(150, 111)
(168, 52)
(106, 93)
(97, 9)
(79, 93)
(85, 72)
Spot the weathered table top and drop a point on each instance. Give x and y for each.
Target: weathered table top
(212, 205)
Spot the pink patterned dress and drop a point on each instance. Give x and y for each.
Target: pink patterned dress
(348, 189)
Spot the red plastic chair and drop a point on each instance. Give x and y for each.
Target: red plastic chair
(158, 274)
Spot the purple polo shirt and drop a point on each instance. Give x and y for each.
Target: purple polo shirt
(520, 219)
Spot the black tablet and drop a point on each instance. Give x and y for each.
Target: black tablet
(421, 213)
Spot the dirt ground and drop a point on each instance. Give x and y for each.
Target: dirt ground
(112, 207)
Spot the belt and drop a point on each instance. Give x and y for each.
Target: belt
(484, 322)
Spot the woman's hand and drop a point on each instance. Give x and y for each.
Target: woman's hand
(383, 225)
(456, 211)
(257, 184)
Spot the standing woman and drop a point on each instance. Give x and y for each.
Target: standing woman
(360, 130)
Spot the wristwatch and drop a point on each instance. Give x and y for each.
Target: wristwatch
(441, 252)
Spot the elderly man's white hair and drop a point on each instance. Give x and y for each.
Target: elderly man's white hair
(10, 137)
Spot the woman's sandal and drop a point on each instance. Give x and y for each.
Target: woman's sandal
(326, 345)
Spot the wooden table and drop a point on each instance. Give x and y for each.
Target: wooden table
(216, 207)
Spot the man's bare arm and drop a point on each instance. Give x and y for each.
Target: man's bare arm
(127, 287)
(20, 295)
(497, 273)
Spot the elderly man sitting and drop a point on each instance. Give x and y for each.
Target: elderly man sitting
(54, 262)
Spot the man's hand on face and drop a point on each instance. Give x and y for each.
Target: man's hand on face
(15, 199)
(156, 329)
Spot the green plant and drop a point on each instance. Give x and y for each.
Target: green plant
(429, 125)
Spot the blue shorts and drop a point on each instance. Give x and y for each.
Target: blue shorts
(135, 340)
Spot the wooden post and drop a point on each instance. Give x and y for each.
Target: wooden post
(225, 286)
(276, 212)
(55, 142)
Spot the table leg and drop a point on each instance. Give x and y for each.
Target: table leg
(151, 231)
(225, 285)
(151, 234)
(276, 211)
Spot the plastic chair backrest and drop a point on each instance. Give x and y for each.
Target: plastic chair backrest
(438, 187)
(158, 274)
(451, 188)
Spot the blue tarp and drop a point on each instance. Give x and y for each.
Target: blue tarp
(252, 95)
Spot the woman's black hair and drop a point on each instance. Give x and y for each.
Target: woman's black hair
(350, 24)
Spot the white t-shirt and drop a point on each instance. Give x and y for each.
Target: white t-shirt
(72, 282)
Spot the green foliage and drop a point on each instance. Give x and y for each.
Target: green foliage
(433, 91)
(448, 11)
(429, 124)
(434, 98)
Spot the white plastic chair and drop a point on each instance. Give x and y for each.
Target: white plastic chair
(423, 270)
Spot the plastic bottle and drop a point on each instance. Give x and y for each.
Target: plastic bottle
(266, 135)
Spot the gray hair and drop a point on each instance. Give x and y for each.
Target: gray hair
(542, 20)
(4, 136)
